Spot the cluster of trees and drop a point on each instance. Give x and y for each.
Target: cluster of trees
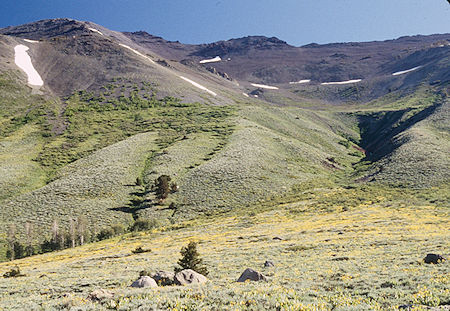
(77, 234)
(163, 187)
(74, 236)
(87, 101)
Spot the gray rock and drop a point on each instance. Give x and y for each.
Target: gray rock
(163, 278)
(144, 281)
(269, 263)
(252, 275)
(100, 294)
(433, 258)
(189, 276)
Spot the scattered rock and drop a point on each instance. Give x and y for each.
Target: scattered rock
(387, 285)
(144, 281)
(163, 62)
(257, 92)
(269, 263)
(405, 307)
(219, 73)
(340, 258)
(189, 276)
(433, 258)
(100, 294)
(163, 278)
(252, 275)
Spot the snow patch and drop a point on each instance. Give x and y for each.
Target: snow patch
(137, 52)
(30, 41)
(342, 82)
(245, 94)
(300, 82)
(405, 71)
(212, 60)
(96, 30)
(23, 61)
(198, 85)
(263, 86)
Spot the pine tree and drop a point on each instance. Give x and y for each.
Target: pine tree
(191, 260)
(162, 187)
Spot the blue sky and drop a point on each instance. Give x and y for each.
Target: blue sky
(200, 21)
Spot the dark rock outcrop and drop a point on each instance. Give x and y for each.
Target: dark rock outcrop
(252, 275)
(163, 278)
(433, 258)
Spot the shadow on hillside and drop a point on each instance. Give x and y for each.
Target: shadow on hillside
(378, 130)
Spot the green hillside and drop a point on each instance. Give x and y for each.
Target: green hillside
(344, 187)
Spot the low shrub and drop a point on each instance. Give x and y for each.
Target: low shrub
(14, 272)
(140, 250)
(110, 232)
(143, 225)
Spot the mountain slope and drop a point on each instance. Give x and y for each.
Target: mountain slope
(233, 134)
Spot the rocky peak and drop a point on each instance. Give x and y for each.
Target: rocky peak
(240, 46)
(47, 28)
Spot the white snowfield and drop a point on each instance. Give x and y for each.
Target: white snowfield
(96, 30)
(263, 86)
(23, 61)
(212, 60)
(30, 41)
(198, 85)
(245, 94)
(342, 82)
(137, 52)
(405, 71)
(300, 82)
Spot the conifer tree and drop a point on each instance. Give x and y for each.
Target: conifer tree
(191, 260)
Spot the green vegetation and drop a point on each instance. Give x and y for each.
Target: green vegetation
(366, 257)
(14, 272)
(345, 195)
(190, 259)
(85, 155)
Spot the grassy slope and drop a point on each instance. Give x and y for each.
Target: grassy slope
(415, 139)
(92, 187)
(19, 172)
(19, 144)
(364, 257)
(422, 156)
(271, 150)
(53, 134)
